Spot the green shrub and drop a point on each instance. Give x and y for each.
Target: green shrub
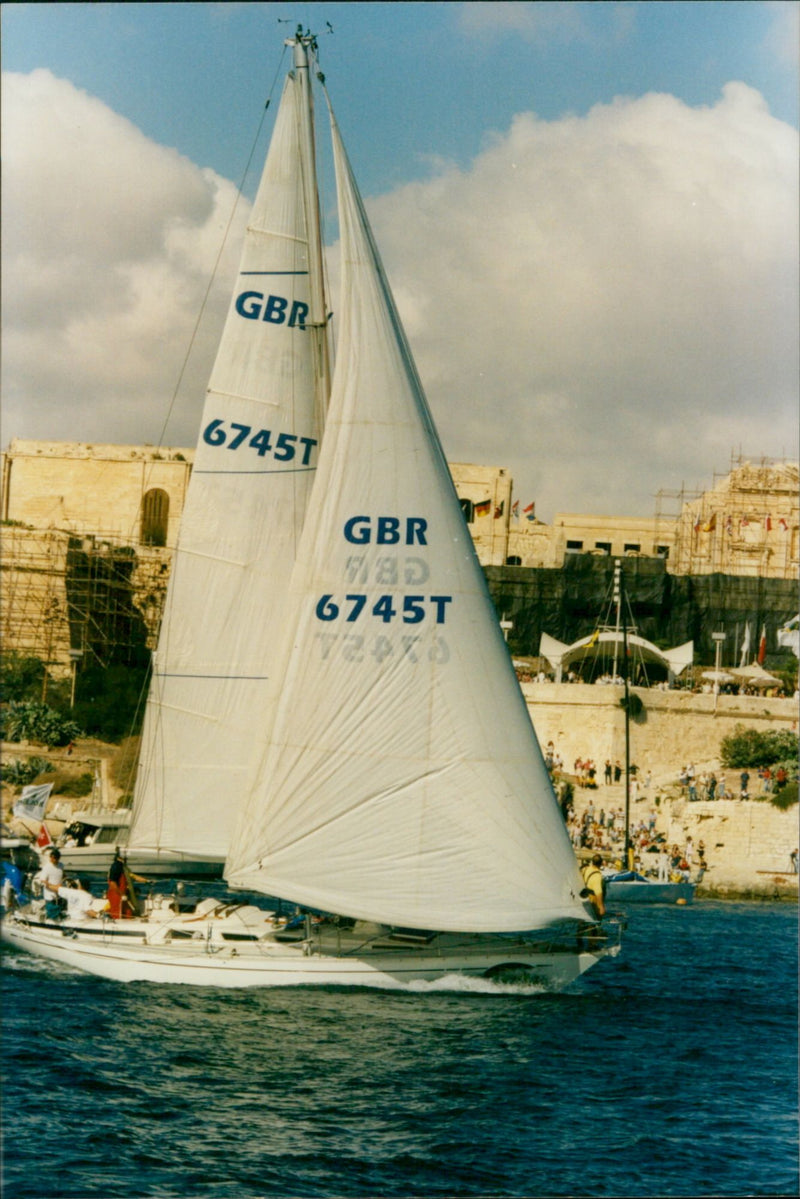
(78, 786)
(21, 772)
(32, 721)
(786, 797)
(752, 748)
(20, 676)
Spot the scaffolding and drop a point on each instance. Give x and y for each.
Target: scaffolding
(71, 600)
(745, 524)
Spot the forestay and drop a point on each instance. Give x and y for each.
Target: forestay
(403, 782)
(256, 456)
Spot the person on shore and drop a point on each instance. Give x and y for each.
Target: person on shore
(793, 860)
(617, 771)
(593, 884)
(744, 780)
(608, 770)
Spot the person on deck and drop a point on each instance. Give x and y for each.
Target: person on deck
(51, 875)
(79, 899)
(593, 883)
(120, 894)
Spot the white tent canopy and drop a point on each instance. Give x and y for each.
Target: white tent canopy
(602, 645)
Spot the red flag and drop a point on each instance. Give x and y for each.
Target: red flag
(484, 508)
(498, 512)
(784, 524)
(768, 522)
(44, 839)
(529, 508)
(515, 508)
(762, 646)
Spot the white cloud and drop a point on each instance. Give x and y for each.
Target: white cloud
(608, 305)
(605, 305)
(108, 244)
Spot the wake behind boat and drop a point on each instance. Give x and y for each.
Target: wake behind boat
(333, 707)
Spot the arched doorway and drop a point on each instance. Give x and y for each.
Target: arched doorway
(155, 517)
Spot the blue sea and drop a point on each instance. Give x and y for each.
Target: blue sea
(671, 1070)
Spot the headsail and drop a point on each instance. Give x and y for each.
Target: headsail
(402, 782)
(256, 456)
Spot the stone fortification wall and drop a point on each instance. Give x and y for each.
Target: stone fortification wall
(675, 727)
(748, 843)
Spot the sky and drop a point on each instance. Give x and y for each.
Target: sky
(587, 212)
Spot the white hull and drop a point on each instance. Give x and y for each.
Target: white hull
(127, 954)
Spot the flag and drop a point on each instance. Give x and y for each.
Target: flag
(762, 646)
(498, 512)
(698, 524)
(44, 839)
(483, 508)
(744, 522)
(767, 522)
(729, 526)
(710, 525)
(530, 508)
(784, 524)
(515, 509)
(745, 645)
(33, 801)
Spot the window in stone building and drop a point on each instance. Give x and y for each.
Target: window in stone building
(155, 517)
(603, 546)
(662, 551)
(513, 560)
(632, 547)
(574, 547)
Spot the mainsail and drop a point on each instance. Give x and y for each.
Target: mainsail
(213, 677)
(402, 781)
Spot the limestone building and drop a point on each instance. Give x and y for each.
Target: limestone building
(88, 533)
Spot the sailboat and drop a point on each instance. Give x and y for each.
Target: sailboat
(628, 885)
(334, 711)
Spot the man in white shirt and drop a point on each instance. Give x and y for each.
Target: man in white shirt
(51, 875)
(79, 900)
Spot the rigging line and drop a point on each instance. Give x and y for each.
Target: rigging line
(222, 245)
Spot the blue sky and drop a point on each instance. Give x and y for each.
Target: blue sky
(460, 119)
(435, 78)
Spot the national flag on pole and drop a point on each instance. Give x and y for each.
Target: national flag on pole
(745, 646)
(710, 525)
(698, 524)
(483, 508)
(515, 509)
(498, 512)
(529, 508)
(44, 839)
(33, 801)
(762, 646)
(784, 524)
(768, 522)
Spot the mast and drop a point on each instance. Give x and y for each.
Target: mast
(305, 46)
(619, 589)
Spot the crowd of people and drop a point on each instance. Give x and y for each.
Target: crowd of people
(73, 897)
